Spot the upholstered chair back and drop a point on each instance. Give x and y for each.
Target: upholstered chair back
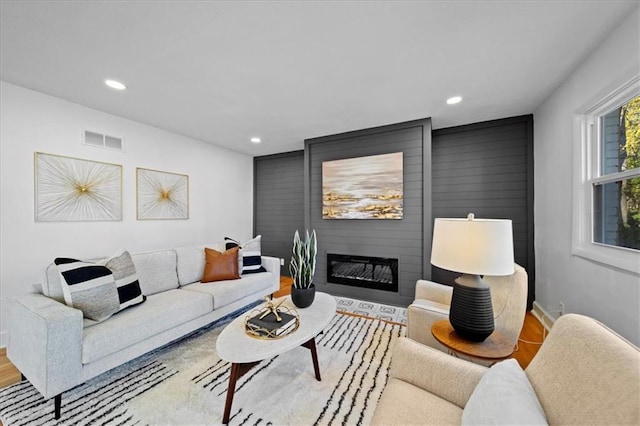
(586, 374)
(509, 299)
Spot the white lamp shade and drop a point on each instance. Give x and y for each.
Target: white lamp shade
(473, 246)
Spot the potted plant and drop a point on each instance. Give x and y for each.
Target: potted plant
(302, 267)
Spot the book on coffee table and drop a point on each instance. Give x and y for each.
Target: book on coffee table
(269, 326)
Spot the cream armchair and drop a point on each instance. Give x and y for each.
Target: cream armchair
(584, 374)
(432, 301)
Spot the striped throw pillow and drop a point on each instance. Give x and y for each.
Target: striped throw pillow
(124, 272)
(88, 287)
(251, 254)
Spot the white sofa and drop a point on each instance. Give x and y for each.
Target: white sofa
(56, 349)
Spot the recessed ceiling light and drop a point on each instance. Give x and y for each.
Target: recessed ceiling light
(115, 84)
(256, 140)
(454, 100)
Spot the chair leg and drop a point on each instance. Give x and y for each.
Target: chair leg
(57, 403)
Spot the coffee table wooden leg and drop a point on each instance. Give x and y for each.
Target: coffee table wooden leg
(233, 378)
(311, 345)
(237, 370)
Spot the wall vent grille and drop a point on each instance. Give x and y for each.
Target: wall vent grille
(101, 140)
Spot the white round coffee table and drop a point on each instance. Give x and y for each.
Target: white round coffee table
(244, 351)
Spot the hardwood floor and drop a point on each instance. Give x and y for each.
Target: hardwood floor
(530, 340)
(531, 337)
(8, 373)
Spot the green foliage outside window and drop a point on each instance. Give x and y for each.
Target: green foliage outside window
(629, 157)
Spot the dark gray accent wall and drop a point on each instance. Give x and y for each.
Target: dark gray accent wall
(408, 239)
(278, 202)
(487, 168)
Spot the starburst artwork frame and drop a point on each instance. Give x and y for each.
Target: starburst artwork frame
(71, 189)
(161, 195)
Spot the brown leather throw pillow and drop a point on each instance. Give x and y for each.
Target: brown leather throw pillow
(220, 266)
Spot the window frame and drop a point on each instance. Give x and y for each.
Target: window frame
(587, 173)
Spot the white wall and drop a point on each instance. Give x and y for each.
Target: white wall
(220, 188)
(585, 287)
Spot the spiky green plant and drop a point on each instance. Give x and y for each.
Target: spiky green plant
(303, 262)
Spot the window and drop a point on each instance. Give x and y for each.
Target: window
(616, 188)
(607, 207)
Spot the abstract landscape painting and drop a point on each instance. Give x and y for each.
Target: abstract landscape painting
(363, 187)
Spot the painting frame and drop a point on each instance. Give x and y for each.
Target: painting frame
(366, 187)
(161, 195)
(69, 189)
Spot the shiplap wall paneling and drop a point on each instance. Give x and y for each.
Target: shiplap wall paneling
(279, 203)
(402, 239)
(487, 169)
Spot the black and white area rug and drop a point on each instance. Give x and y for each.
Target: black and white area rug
(186, 383)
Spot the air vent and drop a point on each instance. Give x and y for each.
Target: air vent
(102, 141)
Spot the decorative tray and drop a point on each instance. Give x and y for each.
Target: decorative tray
(271, 322)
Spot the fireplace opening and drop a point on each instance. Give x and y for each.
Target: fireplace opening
(379, 273)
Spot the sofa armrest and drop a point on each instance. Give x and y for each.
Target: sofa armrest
(435, 292)
(450, 378)
(45, 342)
(272, 264)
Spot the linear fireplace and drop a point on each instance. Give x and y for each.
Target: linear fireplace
(379, 273)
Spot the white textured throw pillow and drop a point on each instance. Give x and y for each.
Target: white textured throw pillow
(504, 396)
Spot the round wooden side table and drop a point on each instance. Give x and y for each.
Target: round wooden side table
(496, 347)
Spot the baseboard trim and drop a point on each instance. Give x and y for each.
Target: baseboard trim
(546, 319)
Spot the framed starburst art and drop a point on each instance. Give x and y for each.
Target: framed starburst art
(73, 190)
(162, 195)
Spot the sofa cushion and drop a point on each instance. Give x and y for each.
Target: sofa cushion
(251, 254)
(225, 292)
(124, 272)
(89, 287)
(220, 266)
(504, 396)
(159, 313)
(402, 403)
(157, 271)
(191, 262)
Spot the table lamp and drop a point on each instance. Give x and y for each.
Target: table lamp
(473, 247)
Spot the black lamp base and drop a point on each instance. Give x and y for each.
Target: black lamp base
(471, 311)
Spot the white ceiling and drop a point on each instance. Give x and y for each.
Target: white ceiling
(222, 72)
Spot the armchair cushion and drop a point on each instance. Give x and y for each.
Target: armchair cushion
(504, 396)
(425, 386)
(447, 377)
(406, 404)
